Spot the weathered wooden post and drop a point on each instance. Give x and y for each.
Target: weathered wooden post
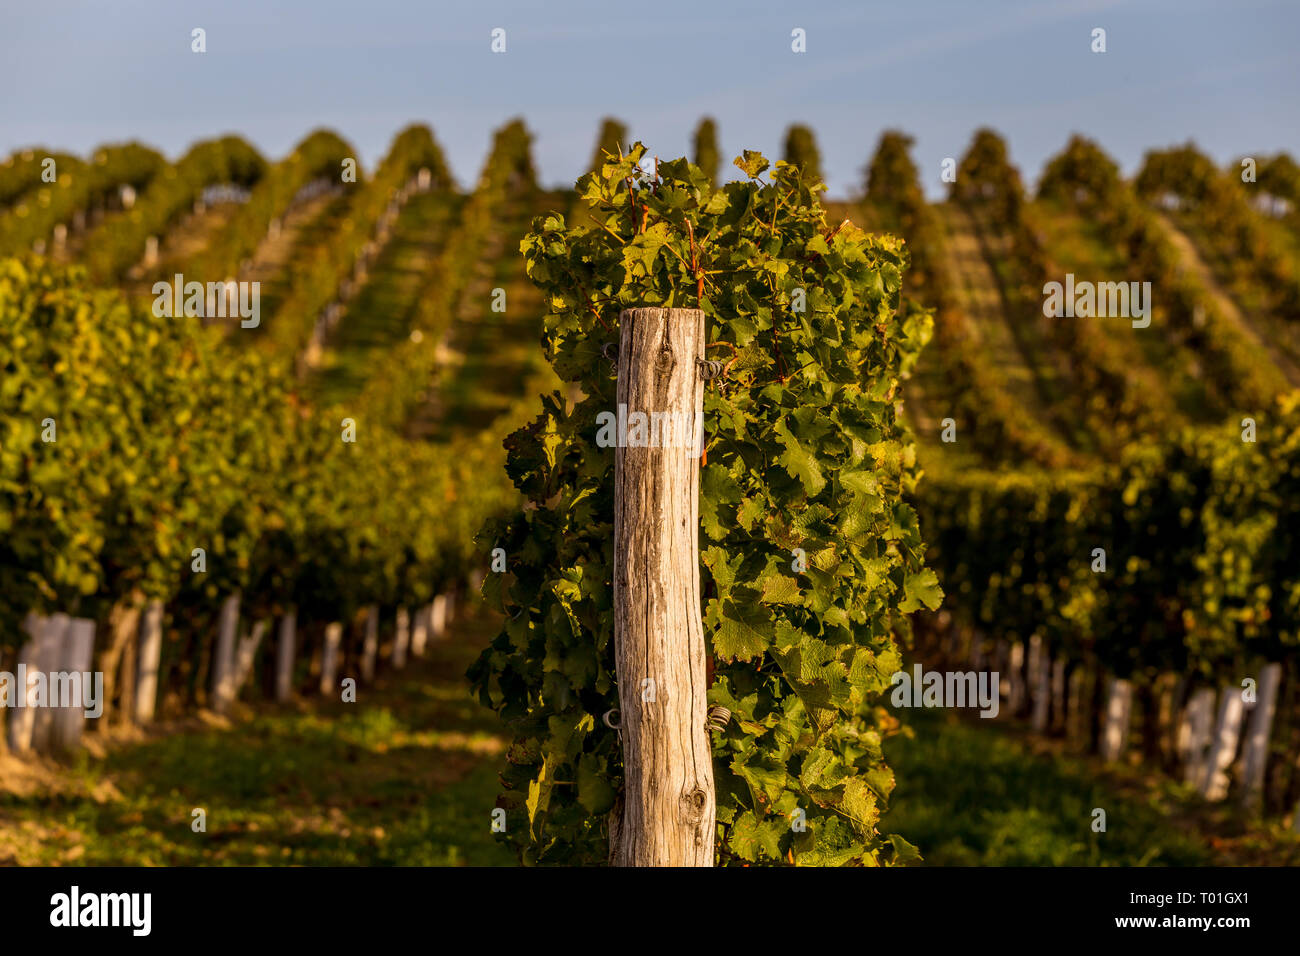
(420, 630)
(77, 657)
(329, 663)
(1255, 758)
(246, 654)
(438, 617)
(284, 655)
(1119, 713)
(1214, 785)
(149, 659)
(223, 659)
(1194, 734)
(44, 633)
(668, 803)
(401, 637)
(49, 657)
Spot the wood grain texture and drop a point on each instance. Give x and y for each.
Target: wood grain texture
(668, 803)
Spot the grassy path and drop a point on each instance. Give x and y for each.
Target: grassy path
(381, 314)
(984, 793)
(1164, 370)
(495, 356)
(303, 227)
(406, 775)
(1251, 326)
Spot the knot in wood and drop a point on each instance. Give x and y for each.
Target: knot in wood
(664, 360)
(693, 803)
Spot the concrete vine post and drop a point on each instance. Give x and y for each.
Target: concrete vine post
(668, 803)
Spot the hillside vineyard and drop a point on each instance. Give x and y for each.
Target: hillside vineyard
(266, 423)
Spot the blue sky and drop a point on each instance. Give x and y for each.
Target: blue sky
(77, 74)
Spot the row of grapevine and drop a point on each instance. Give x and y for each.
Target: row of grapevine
(1084, 178)
(1184, 558)
(1261, 271)
(1109, 395)
(318, 280)
(318, 158)
(811, 560)
(1168, 575)
(22, 172)
(143, 459)
(119, 242)
(409, 368)
(78, 191)
(973, 395)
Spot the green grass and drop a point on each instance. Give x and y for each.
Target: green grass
(974, 795)
(407, 775)
(1078, 245)
(499, 356)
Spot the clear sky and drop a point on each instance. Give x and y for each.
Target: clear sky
(1226, 74)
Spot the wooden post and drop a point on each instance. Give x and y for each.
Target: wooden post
(370, 649)
(223, 659)
(1169, 688)
(284, 656)
(401, 637)
(1194, 734)
(1119, 711)
(123, 628)
(246, 654)
(77, 658)
(149, 658)
(1255, 757)
(1214, 785)
(329, 662)
(420, 630)
(668, 807)
(438, 622)
(48, 657)
(22, 722)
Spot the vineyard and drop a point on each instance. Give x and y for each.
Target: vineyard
(300, 459)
